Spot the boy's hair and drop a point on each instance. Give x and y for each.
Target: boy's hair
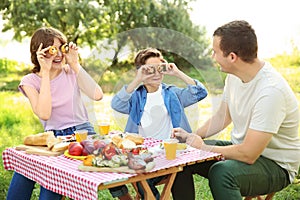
(240, 38)
(46, 36)
(143, 55)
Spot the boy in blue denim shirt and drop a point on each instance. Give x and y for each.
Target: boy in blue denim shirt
(155, 108)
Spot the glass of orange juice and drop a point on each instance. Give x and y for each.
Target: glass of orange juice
(81, 135)
(104, 128)
(170, 146)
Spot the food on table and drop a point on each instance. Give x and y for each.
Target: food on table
(117, 139)
(147, 157)
(68, 138)
(129, 141)
(137, 150)
(39, 139)
(109, 151)
(62, 146)
(181, 146)
(115, 161)
(51, 141)
(126, 144)
(75, 149)
(99, 144)
(112, 157)
(88, 147)
(136, 162)
(88, 160)
(136, 138)
(53, 50)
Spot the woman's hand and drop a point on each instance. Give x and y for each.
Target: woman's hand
(43, 58)
(72, 56)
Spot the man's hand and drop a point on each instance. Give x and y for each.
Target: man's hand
(189, 138)
(194, 141)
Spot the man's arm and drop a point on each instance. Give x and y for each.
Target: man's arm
(252, 147)
(220, 120)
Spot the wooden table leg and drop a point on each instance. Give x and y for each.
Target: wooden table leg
(165, 195)
(148, 194)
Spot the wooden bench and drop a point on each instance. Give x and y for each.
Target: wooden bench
(267, 197)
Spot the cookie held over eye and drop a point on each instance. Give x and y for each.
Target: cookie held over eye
(65, 48)
(151, 70)
(162, 68)
(53, 50)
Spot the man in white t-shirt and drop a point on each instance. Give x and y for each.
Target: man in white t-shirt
(263, 155)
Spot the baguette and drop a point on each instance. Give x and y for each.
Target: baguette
(117, 140)
(53, 141)
(62, 146)
(39, 139)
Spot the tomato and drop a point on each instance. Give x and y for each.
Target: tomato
(135, 151)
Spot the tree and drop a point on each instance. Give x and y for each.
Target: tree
(163, 24)
(79, 20)
(87, 22)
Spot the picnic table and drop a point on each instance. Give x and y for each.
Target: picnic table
(61, 175)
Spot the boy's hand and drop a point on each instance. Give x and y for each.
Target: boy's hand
(172, 70)
(179, 134)
(143, 73)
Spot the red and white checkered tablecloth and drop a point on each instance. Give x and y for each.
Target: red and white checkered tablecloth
(60, 174)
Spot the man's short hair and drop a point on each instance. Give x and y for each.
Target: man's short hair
(240, 38)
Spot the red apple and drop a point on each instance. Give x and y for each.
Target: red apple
(75, 149)
(85, 152)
